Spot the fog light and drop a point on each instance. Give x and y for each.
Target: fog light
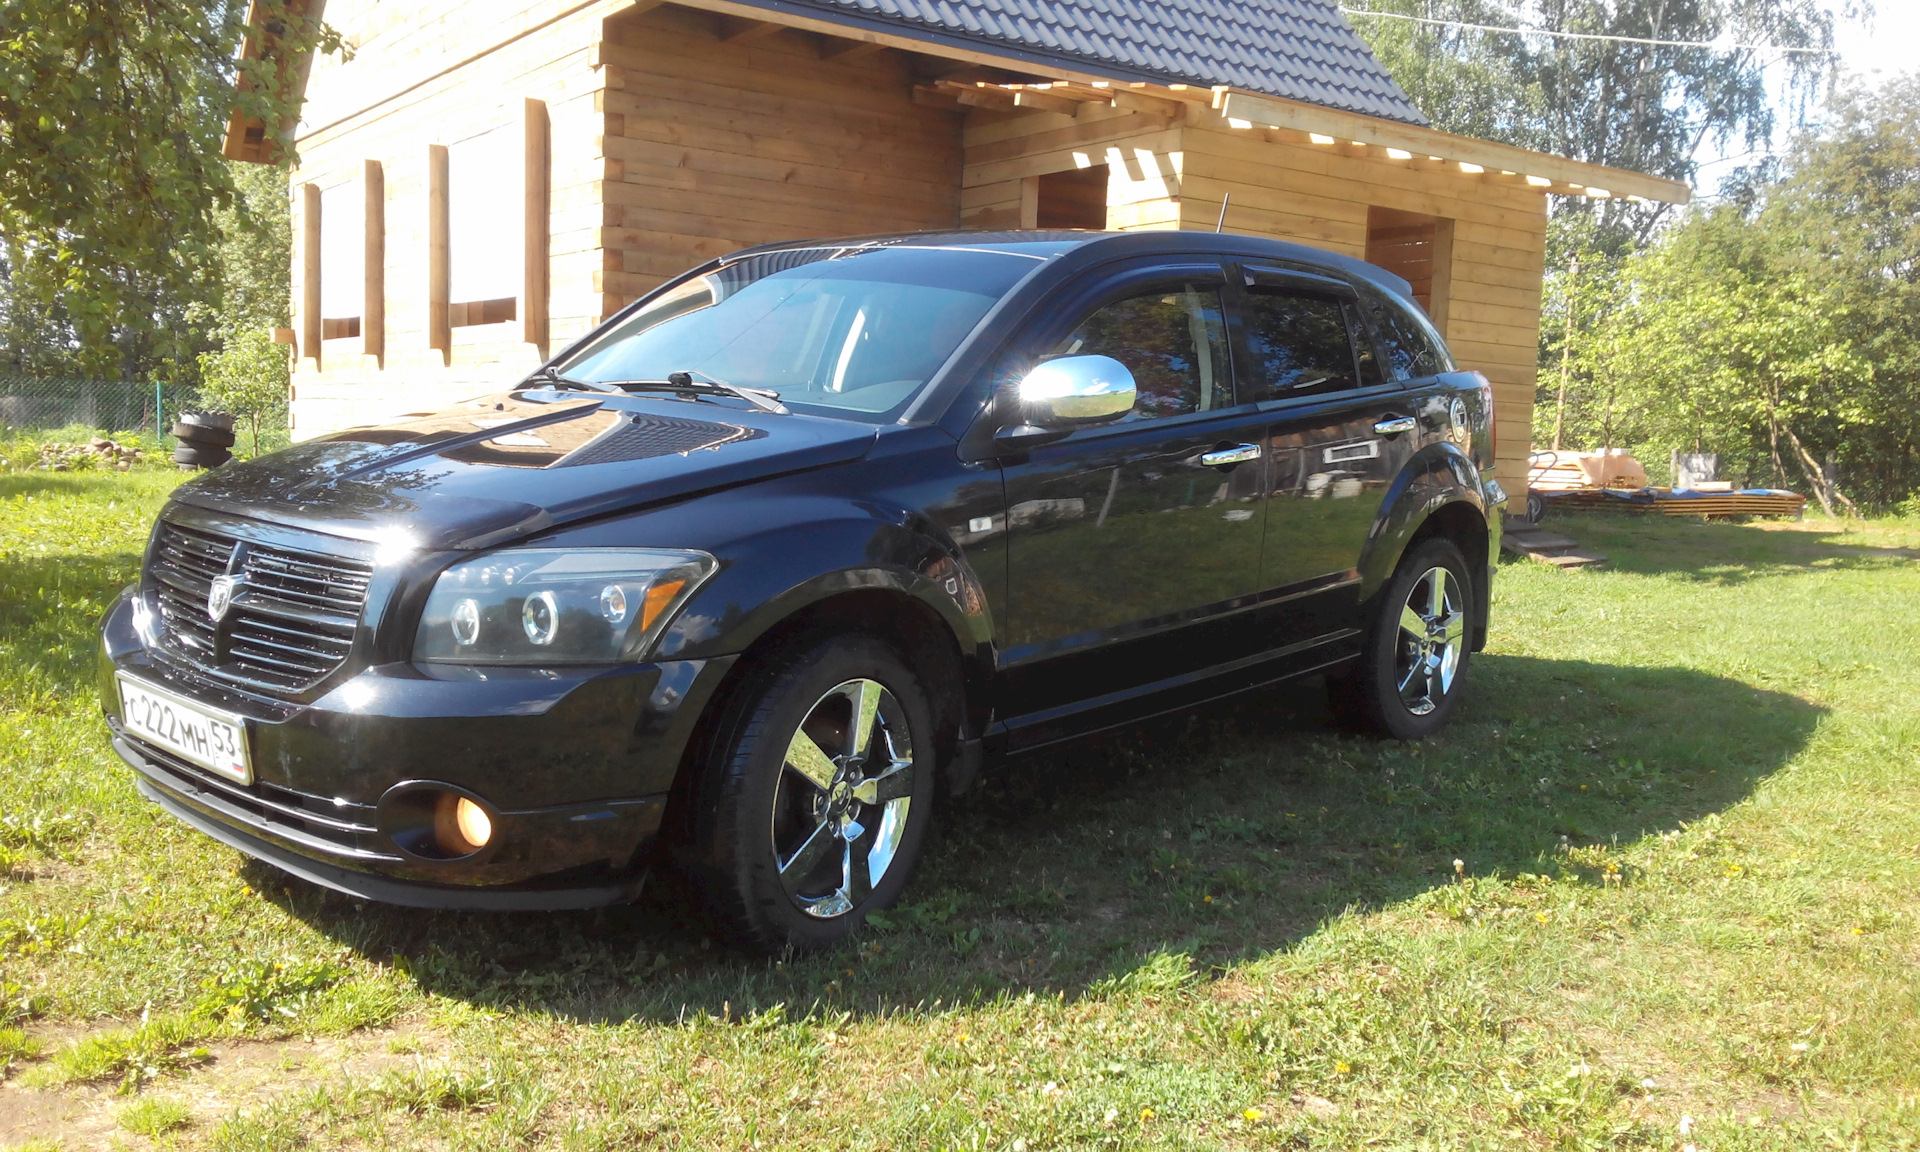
(430, 821)
(473, 822)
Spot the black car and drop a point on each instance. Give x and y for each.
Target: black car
(790, 549)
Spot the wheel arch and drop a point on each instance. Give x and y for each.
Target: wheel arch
(894, 607)
(1438, 493)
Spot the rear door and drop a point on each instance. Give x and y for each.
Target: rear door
(1129, 556)
(1338, 434)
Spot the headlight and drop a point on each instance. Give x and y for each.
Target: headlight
(551, 606)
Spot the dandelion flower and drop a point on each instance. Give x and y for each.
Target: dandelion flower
(1459, 867)
(1342, 1068)
(1253, 1114)
(1146, 1113)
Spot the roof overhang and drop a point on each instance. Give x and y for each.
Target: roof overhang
(1501, 163)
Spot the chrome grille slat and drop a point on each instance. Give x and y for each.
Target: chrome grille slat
(290, 626)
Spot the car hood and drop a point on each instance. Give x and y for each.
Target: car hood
(500, 467)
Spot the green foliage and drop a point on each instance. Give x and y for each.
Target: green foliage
(248, 377)
(112, 184)
(1642, 107)
(1783, 334)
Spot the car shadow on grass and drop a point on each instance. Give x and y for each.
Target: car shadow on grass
(1225, 834)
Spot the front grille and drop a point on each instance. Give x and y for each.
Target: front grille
(292, 619)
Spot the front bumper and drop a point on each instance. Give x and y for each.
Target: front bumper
(576, 766)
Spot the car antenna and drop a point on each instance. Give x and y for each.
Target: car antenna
(1221, 226)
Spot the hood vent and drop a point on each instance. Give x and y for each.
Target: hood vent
(643, 437)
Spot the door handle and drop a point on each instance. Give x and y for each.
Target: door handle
(1228, 457)
(1394, 425)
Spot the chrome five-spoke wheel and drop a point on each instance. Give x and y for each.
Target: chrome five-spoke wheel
(840, 808)
(1433, 630)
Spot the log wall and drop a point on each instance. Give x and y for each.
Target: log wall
(713, 145)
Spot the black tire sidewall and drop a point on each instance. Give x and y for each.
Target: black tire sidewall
(1382, 703)
(741, 867)
(201, 457)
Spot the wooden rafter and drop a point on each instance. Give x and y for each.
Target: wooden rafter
(251, 139)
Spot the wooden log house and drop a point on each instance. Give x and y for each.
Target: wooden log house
(481, 182)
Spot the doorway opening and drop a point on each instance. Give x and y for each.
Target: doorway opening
(1416, 248)
(1076, 198)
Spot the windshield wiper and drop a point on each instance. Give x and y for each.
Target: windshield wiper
(553, 379)
(761, 398)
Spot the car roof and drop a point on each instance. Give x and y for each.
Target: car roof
(1049, 244)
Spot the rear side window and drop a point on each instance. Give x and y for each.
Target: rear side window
(1406, 349)
(1172, 338)
(1299, 343)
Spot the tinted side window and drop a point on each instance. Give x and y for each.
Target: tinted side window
(1405, 349)
(1173, 340)
(1299, 343)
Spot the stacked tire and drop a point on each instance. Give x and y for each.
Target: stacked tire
(204, 439)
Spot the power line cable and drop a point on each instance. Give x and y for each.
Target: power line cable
(1590, 35)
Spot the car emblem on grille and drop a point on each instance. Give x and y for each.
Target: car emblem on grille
(220, 596)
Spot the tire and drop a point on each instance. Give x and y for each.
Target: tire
(789, 824)
(209, 457)
(1386, 693)
(1536, 506)
(203, 434)
(220, 420)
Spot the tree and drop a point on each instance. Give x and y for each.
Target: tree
(1642, 107)
(111, 176)
(247, 374)
(1782, 331)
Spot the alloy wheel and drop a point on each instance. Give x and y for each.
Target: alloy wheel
(1433, 627)
(840, 808)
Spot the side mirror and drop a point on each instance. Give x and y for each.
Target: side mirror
(1076, 390)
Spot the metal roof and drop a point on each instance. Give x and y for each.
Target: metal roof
(1299, 49)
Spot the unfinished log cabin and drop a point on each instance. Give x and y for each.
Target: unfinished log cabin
(480, 183)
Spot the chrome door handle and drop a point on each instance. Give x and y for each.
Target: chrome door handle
(1394, 425)
(1227, 457)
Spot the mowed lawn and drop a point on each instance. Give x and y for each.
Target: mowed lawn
(1658, 886)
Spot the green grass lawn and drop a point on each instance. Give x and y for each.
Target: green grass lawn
(1659, 885)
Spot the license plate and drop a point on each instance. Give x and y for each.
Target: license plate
(210, 738)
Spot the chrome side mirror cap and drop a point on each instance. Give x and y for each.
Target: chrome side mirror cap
(1075, 390)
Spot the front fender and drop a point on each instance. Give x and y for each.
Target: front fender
(829, 549)
(1437, 476)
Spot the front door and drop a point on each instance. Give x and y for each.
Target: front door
(1132, 546)
(1338, 437)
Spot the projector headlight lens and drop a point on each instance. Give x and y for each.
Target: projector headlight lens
(545, 607)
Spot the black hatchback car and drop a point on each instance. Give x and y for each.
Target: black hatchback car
(787, 551)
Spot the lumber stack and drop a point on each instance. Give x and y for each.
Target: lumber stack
(1681, 502)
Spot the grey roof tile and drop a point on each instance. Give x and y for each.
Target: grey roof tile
(1299, 49)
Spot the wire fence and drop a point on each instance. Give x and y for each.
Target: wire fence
(42, 403)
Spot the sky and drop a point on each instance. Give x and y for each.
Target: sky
(1873, 52)
(1889, 46)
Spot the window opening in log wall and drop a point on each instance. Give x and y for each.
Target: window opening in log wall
(486, 248)
(343, 259)
(1076, 198)
(1416, 248)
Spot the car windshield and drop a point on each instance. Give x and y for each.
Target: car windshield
(849, 332)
